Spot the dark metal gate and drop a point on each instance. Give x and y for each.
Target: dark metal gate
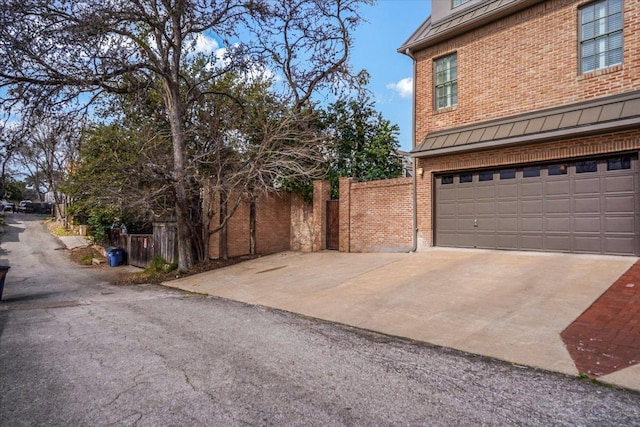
(333, 225)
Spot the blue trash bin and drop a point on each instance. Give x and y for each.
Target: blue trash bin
(115, 256)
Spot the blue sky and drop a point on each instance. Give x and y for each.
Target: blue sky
(390, 23)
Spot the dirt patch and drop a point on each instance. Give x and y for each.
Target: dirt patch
(89, 256)
(146, 277)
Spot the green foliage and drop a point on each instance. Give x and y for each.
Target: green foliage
(363, 144)
(86, 259)
(159, 265)
(100, 221)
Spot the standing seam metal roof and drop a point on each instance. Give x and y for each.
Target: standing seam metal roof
(599, 115)
(431, 32)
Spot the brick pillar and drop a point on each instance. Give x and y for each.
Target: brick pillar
(345, 213)
(321, 193)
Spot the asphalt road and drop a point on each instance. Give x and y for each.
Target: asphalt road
(75, 350)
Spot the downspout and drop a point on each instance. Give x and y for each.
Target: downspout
(415, 160)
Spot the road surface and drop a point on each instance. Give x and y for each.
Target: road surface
(76, 350)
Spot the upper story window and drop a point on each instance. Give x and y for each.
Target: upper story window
(457, 3)
(446, 81)
(600, 35)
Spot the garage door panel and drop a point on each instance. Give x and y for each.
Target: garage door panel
(586, 185)
(622, 245)
(447, 224)
(618, 184)
(586, 205)
(466, 208)
(508, 224)
(555, 206)
(465, 224)
(486, 192)
(588, 244)
(508, 241)
(487, 241)
(466, 240)
(447, 209)
(507, 190)
(620, 224)
(587, 224)
(558, 188)
(531, 224)
(508, 207)
(531, 189)
(558, 224)
(532, 241)
(620, 204)
(485, 224)
(560, 243)
(446, 193)
(466, 192)
(533, 207)
(447, 239)
(486, 207)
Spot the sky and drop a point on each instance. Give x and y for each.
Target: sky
(390, 24)
(387, 25)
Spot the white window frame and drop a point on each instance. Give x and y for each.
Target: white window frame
(600, 33)
(445, 81)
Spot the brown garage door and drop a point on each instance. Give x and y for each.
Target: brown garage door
(588, 206)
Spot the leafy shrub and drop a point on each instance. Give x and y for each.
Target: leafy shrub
(160, 265)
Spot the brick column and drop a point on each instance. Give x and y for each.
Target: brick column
(321, 193)
(345, 213)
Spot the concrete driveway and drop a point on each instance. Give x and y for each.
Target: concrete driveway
(508, 305)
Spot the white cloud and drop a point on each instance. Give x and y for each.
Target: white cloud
(206, 44)
(404, 87)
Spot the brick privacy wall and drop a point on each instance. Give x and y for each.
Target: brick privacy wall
(380, 215)
(321, 193)
(568, 149)
(524, 62)
(344, 237)
(273, 227)
(301, 224)
(273, 223)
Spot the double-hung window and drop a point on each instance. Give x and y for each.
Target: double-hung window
(457, 3)
(600, 35)
(446, 81)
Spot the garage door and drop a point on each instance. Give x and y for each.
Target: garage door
(588, 206)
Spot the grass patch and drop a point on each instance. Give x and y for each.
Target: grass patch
(58, 230)
(86, 259)
(159, 265)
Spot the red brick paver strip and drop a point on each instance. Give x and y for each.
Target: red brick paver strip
(606, 337)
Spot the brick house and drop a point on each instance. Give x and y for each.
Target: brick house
(527, 125)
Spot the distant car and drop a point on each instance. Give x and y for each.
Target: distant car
(25, 206)
(9, 207)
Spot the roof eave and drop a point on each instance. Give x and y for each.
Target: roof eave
(466, 27)
(599, 128)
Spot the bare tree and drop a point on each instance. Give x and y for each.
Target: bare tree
(10, 142)
(56, 52)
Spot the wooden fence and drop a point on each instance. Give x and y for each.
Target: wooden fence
(140, 249)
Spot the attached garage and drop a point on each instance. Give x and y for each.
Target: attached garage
(584, 206)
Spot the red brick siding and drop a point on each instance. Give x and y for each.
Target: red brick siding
(379, 217)
(524, 62)
(273, 227)
(273, 223)
(321, 193)
(572, 148)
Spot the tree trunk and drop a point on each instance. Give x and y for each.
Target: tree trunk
(172, 101)
(224, 247)
(252, 225)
